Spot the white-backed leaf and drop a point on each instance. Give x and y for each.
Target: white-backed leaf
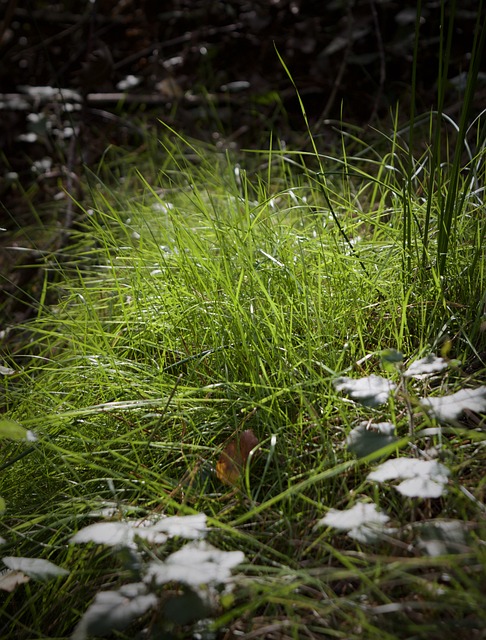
(11, 580)
(110, 533)
(189, 527)
(403, 468)
(366, 439)
(114, 610)
(363, 521)
(449, 408)
(357, 515)
(370, 391)
(124, 534)
(195, 564)
(426, 366)
(421, 478)
(35, 568)
(421, 487)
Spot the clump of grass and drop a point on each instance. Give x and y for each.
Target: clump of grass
(204, 298)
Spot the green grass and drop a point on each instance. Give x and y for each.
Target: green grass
(203, 295)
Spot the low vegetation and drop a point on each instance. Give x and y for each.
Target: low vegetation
(249, 398)
(276, 357)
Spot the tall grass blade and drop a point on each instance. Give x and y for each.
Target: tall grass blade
(453, 205)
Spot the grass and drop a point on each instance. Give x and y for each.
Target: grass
(203, 295)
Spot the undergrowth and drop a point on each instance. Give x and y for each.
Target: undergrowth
(289, 294)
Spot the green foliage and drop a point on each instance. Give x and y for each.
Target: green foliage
(14, 431)
(205, 295)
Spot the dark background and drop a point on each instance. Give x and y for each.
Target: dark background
(348, 59)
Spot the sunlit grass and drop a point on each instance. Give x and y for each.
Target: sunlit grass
(202, 296)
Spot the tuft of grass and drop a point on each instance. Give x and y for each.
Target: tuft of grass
(204, 295)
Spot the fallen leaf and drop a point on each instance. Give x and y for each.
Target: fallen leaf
(124, 534)
(370, 391)
(195, 564)
(363, 522)
(425, 367)
(35, 568)
(449, 408)
(114, 610)
(420, 478)
(11, 579)
(235, 456)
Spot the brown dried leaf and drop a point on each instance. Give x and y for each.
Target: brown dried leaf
(235, 456)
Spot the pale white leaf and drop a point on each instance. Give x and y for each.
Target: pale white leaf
(363, 521)
(35, 568)
(128, 82)
(421, 487)
(449, 408)
(109, 533)
(195, 564)
(422, 478)
(360, 513)
(426, 366)
(403, 468)
(189, 527)
(370, 391)
(125, 533)
(114, 610)
(11, 579)
(116, 534)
